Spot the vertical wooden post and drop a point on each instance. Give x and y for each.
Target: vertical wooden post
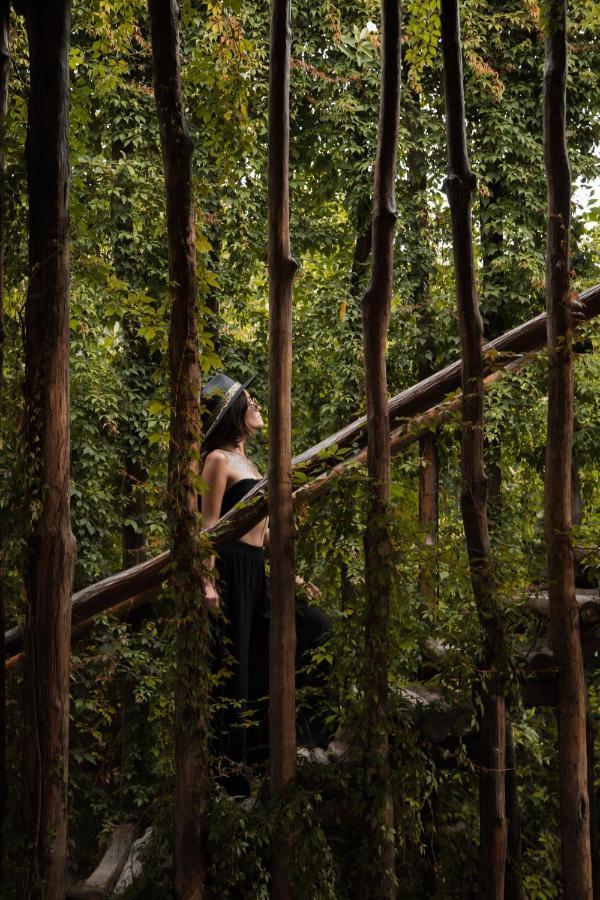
(191, 683)
(4, 71)
(564, 614)
(282, 267)
(50, 545)
(377, 537)
(459, 186)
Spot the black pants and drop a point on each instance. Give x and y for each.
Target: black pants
(242, 650)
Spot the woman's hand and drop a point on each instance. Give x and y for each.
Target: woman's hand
(212, 599)
(310, 590)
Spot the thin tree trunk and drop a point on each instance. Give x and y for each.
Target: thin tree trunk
(4, 72)
(564, 615)
(377, 537)
(191, 682)
(282, 267)
(50, 546)
(459, 185)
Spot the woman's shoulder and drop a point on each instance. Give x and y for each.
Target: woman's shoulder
(216, 461)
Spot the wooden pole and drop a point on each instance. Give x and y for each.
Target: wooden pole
(282, 267)
(564, 615)
(459, 185)
(4, 72)
(50, 543)
(377, 537)
(192, 686)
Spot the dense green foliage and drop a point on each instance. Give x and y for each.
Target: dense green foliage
(120, 403)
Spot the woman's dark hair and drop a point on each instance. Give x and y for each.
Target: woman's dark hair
(231, 428)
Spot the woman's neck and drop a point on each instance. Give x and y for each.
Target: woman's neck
(237, 448)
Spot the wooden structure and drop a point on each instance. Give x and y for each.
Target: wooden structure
(388, 427)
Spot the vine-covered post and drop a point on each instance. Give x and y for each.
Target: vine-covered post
(459, 186)
(50, 543)
(377, 537)
(192, 667)
(564, 613)
(282, 267)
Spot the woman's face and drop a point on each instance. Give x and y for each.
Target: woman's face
(253, 419)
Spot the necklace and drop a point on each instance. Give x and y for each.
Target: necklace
(242, 464)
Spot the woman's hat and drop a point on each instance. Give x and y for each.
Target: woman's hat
(218, 394)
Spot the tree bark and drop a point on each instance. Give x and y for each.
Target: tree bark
(50, 544)
(282, 267)
(4, 73)
(459, 185)
(191, 681)
(377, 537)
(564, 615)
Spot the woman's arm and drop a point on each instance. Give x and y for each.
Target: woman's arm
(214, 474)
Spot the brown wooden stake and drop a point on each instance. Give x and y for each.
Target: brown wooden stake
(282, 267)
(191, 683)
(459, 185)
(50, 544)
(4, 72)
(564, 616)
(377, 537)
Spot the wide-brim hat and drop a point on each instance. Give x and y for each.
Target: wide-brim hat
(218, 394)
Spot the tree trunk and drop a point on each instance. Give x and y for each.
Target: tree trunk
(282, 267)
(191, 682)
(50, 544)
(4, 72)
(459, 185)
(377, 537)
(564, 615)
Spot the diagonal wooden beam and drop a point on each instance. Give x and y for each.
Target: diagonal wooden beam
(411, 411)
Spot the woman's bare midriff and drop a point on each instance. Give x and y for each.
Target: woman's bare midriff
(256, 536)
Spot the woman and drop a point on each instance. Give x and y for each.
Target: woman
(236, 583)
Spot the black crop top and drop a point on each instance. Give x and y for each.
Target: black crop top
(235, 493)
